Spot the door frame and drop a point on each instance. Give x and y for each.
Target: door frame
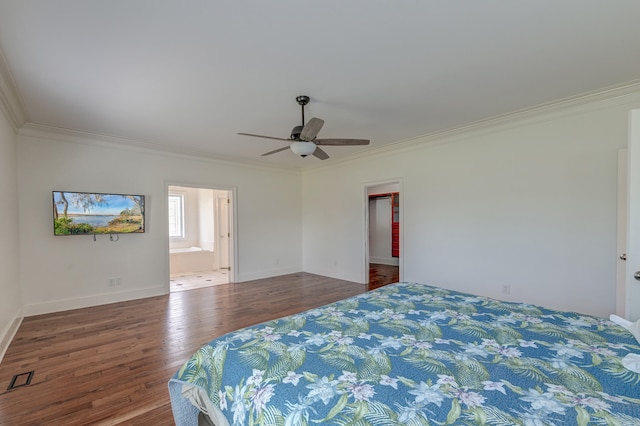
(365, 231)
(233, 216)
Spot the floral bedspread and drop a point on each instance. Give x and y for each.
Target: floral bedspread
(414, 354)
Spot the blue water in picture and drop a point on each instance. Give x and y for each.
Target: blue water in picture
(93, 220)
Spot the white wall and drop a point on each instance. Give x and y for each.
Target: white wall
(60, 273)
(206, 218)
(10, 299)
(528, 203)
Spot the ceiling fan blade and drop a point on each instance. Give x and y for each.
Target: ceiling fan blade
(264, 137)
(275, 150)
(311, 129)
(342, 141)
(320, 154)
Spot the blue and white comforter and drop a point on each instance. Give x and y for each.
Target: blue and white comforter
(414, 354)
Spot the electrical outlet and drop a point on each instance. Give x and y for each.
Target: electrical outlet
(114, 281)
(506, 289)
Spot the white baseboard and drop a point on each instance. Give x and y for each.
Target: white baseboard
(85, 302)
(240, 278)
(393, 261)
(9, 332)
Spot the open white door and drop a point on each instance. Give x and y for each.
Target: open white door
(223, 204)
(621, 239)
(632, 288)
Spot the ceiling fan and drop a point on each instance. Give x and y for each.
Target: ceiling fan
(303, 141)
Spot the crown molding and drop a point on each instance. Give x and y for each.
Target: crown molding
(11, 103)
(43, 131)
(613, 95)
(592, 99)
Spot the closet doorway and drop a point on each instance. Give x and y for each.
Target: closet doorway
(383, 234)
(200, 240)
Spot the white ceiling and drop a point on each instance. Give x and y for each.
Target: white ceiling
(188, 75)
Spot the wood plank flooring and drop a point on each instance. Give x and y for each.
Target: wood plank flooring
(380, 275)
(110, 364)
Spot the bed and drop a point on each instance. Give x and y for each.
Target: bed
(414, 354)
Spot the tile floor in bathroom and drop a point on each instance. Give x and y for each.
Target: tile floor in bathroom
(193, 280)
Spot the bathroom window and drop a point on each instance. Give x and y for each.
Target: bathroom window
(176, 216)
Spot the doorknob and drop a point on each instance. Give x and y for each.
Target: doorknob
(637, 275)
(623, 256)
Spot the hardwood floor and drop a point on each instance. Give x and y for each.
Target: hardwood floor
(380, 275)
(110, 364)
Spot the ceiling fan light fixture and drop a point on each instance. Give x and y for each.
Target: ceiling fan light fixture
(303, 148)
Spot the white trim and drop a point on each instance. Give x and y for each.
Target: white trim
(43, 131)
(266, 273)
(88, 301)
(616, 95)
(11, 103)
(393, 261)
(613, 95)
(9, 332)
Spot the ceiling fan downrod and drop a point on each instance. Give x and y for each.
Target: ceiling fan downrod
(302, 101)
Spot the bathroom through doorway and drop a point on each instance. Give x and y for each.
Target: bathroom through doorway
(199, 237)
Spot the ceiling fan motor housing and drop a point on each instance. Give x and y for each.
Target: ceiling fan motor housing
(295, 133)
(302, 100)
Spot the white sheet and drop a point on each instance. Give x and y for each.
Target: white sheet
(633, 327)
(198, 397)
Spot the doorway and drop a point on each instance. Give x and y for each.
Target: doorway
(382, 216)
(199, 237)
